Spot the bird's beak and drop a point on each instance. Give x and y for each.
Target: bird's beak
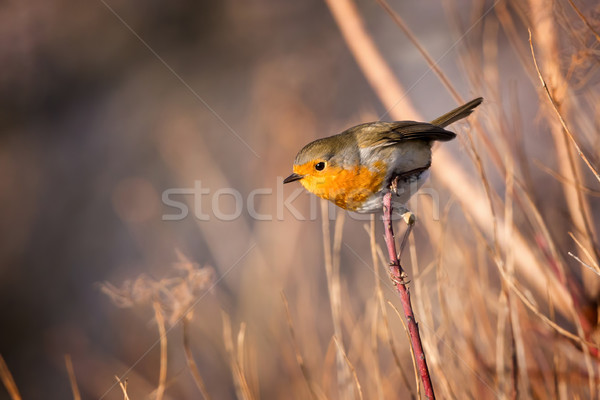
(293, 177)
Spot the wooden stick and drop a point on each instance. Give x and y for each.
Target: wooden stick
(398, 278)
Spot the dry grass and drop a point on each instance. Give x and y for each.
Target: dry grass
(8, 381)
(72, 378)
(505, 284)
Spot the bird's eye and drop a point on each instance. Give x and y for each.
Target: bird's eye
(320, 166)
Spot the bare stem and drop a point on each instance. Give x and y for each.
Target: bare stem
(162, 375)
(398, 279)
(9, 382)
(123, 385)
(191, 362)
(71, 372)
(559, 115)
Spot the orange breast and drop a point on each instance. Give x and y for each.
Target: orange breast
(348, 188)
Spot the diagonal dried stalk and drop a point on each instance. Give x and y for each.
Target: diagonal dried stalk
(585, 20)
(580, 261)
(72, 379)
(332, 269)
(375, 320)
(8, 381)
(412, 353)
(559, 115)
(239, 378)
(581, 201)
(123, 385)
(191, 362)
(370, 60)
(315, 391)
(162, 375)
(350, 366)
(399, 281)
(543, 25)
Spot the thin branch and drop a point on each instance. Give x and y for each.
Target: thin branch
(586, 252)
(123, 385)
(398, 277)
(72, 380)
(241, 385)
(332, 269)
(556, 110)
(412, 352)
(312, 387)
(566, 181)
(585, 20)
(533, 308)
(350, 366)
(9, 382)
(584, 264)
(433, 64)
(189, 357)
(375, 251)
(162, 375)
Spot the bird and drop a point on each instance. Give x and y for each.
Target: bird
(356, 168)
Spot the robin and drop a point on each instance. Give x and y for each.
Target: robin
(355, 168)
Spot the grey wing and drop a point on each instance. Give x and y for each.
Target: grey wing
(390, 133)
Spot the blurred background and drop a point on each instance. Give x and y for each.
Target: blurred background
(106, 105)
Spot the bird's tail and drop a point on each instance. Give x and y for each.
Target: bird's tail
(458, 113)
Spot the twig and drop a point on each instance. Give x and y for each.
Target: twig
(518, 360)
(72, 380)
(312, 387)
(162, 375)
(375, 250)
(9, 382)
(123, 385)
(191, 362)
(585, 20)
(560, 118)
(584, 264)
(531, 306)
(376, 70)
(566, 181)
(596, 268)
(239, 379)
(503, 320)
(332, 269)
(398, 278)
(356, 381)
(375, 319)
(412, 352)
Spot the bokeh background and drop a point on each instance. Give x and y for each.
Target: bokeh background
(105, 105)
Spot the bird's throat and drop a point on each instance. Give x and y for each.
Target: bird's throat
(348, 187)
